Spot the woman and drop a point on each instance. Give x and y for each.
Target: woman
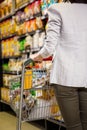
(67, 42)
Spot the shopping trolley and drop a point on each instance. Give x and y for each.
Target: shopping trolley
(31, 96)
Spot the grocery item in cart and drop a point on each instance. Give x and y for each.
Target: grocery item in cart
(28, 79)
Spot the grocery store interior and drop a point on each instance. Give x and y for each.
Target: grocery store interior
(25, 102)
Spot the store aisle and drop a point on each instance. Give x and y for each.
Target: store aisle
(8, 122)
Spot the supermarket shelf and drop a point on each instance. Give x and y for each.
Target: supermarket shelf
(4, 38)
(30, 18)
(12, 72)
(56, 122)
(30, 33)
(6, 17)
(23, 35)
(11, 57)
(2, 101)
(6, 86)
(1, 1)
(34, 16)
(11, 14)
(24, 5)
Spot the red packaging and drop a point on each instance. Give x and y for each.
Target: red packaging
(37, 7)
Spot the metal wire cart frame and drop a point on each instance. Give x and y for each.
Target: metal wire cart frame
(31, 96)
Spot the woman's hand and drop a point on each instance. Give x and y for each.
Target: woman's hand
(36, 57)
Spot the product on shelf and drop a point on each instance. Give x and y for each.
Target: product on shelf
(5, 94)
(32, 9)
(50, 2)
(1, 12)
(37, 7)
(20, 16)
(12, 64)
(28, 42)
(44, 7)
(29, 26)
(8, 27)
(5, 8)
(15, 65)
(10, 47)
(26, 11)
(39, 23)
(20, 29)
(33, 25)
(29, 10)
(45, 4)
(16, 47)
(5, 67)
(7, 78)
(20, 3)
(36, 40)
(21, 43)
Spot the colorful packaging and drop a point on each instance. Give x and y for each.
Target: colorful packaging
(33, 26)
(28, 79)
(44, 7)
(37, 7)
(21, 43)
(39, 23)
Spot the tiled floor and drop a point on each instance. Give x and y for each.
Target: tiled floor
(8, 122)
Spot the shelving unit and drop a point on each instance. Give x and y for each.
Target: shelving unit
(7, 37)
(1, 75)
(48, 123)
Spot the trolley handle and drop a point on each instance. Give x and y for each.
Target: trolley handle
(28, 61)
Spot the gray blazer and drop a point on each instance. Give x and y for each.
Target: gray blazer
(67, 41)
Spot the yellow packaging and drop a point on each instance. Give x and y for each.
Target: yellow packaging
(28, 79)
(2, 12)
(9, 5)
(7, 47)
(2, 93)
(2, 45)
(54, 109)
(7, 95)
(2, 29)
(6, 10)
(4, 50)
(5, 32)
(12, 51)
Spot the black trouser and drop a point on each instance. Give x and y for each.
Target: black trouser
(73, 105)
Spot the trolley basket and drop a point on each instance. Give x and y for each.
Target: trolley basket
(31, 96)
